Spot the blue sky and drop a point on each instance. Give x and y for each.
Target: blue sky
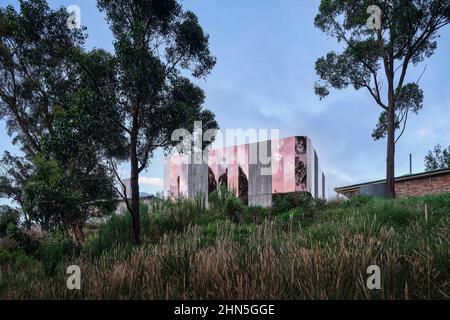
(264, 77)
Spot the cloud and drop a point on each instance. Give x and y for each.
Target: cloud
(147, 181)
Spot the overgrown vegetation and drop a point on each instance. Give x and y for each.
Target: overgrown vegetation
(235, 252)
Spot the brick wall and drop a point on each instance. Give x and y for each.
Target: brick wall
(421, 186)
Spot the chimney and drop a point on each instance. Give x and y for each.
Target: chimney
(410, 163)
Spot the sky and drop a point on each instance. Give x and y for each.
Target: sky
(264, 77)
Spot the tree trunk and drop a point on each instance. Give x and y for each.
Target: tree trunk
(134, 181)
(77, 230)
(390, 158)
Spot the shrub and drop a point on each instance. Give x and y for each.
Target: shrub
(218, 197)
(359, 200)
(116, 231)
(233, 208)
(8, 216)
(23, 240)
(285, 202)
(53, 250)
(256, 214)
(296, 213)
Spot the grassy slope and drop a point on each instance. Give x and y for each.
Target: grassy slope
(191, 252)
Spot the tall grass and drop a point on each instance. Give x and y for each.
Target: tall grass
(191, 252)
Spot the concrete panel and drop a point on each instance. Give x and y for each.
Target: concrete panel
(198, 181)
(166, 188)
(316, 175)
(310, 166)
(323, 186)
(259, 184)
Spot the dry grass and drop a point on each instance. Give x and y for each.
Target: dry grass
(325, 258)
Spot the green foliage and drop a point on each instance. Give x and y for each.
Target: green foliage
(155, 44)
(8, 216)
(116, 231)
(369, 58)
(415, 26)
(256, 215)
(218, 197)
(284, 202)
(359, 200)
(36, 84)
(437, 158)
(50, 197)
(187, 252)
(54, 250)
(292, 214)
(64, 124)
(23, 240)
(233, 208)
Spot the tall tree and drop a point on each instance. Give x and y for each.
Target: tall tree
(37, 72)
(437, 158)
(154, 41)
(49, 97)
(408, 34)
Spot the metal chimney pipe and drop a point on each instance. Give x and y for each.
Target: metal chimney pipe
(410, 163)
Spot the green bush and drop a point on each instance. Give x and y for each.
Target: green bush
(22, 239)
(218, 197)
(233, 208)
(359, 201)
(8, 216)
(293, 214)
(284, 202)
(256, 214)
(117, 230)
(54, 250)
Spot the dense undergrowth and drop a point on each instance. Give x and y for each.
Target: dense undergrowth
(300, 249)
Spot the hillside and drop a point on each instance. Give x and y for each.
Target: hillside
(301, 249)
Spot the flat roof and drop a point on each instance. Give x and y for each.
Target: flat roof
(405, 177)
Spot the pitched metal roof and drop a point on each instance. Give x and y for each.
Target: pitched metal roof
(406, 177)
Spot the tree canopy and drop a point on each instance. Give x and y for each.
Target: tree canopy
(50, 99)
(437, 158)
(156, 43)
(378, 60)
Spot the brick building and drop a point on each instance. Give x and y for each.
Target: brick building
(436, 181)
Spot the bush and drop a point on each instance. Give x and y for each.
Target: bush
(218, 197)
(359, 200)
(293, 214)
(8, 216)
(23, 240)
(117, 230)
(285, 202)
(233, 208)
(256, 214)
(53, 251)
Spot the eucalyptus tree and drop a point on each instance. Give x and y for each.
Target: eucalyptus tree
(437, 158)
(51, 98)
(156, 44)
(378, 59)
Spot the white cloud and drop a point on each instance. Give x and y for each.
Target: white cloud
(147, 181)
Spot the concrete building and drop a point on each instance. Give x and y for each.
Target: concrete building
(253, 172)
(417, 184)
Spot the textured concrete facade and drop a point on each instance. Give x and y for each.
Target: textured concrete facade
(253, 172)
(260, 185)
(198, 180)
